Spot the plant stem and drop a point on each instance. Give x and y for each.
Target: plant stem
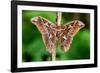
(59, 15)
(54, 55)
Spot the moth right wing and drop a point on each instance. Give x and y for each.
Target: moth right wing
(47, 30)
(71, 29)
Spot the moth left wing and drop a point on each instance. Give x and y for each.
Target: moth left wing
(47, 30)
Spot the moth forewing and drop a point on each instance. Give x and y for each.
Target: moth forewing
(37, 22)
(41, 23)
(72, 29)
(77, 26)
(45, 27)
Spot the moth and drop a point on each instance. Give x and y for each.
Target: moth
(53, 33)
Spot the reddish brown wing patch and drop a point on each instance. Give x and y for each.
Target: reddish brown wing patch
(72, 29)
(47, 31)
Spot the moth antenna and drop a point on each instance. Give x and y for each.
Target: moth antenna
(58, 19)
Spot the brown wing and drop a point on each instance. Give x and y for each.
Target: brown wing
(47, 31)
(71, 30)
(73, 27)
(65, 43)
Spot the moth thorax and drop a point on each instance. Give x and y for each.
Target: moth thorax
(58, 34)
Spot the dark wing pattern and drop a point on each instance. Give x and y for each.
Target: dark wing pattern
(47, 31)
(71, 30)
(74, 27)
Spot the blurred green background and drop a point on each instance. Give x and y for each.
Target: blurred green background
(33, 48)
